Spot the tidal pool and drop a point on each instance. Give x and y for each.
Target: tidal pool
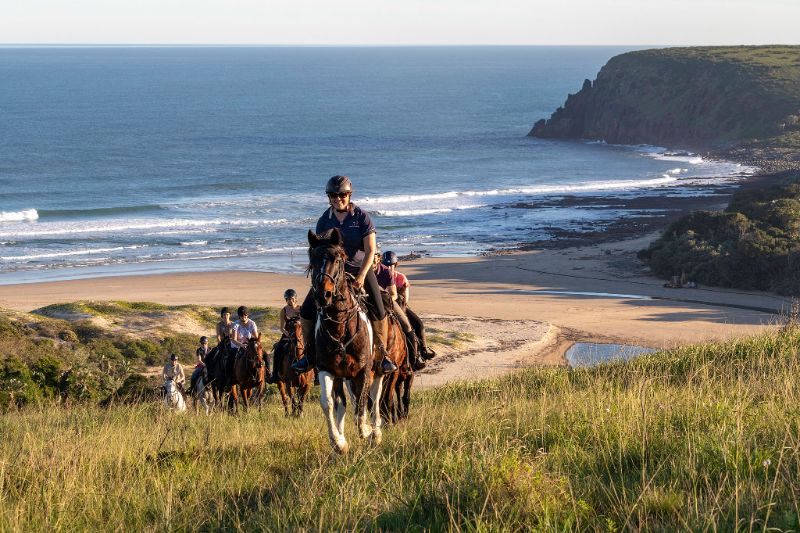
(592, 353)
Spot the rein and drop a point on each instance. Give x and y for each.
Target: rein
(330, 312)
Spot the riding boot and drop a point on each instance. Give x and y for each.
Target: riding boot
(413, 351)
(309, 360)
(381, 331)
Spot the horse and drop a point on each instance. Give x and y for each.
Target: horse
(202, 393)
(248, 374)
(344, 343)
(216, 370)
(397, 351)
(173, 399)
(397, 397)
(297, 386)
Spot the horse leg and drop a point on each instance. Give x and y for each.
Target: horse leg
(375, 394)
(284, 399)
(336, 437)
(387, 398)
(302, 393)
(341, 403)
(406, 395)
(233, 399)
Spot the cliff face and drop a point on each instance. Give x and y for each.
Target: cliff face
(709, 97)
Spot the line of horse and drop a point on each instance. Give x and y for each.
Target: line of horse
(345, 359)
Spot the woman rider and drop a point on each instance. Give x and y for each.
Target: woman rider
(386, 280)
(404, 296)
(358, 235)
(290, 311)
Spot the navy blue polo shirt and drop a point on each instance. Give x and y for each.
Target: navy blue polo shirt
(355, 226)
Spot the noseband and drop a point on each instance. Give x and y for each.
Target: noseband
(336, 277)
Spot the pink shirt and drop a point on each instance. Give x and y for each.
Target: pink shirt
(400, 280)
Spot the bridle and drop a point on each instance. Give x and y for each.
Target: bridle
(328, 313)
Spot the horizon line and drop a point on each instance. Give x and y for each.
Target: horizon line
(358, 45)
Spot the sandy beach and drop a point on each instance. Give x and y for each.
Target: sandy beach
(523, 308)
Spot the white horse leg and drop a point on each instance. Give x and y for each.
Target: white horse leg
(326, 402)
(375, 395)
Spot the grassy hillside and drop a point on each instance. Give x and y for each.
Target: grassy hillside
(85, 351)
(745, 97)
(700, 438)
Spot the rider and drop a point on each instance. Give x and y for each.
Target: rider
(174, 371)
(289, 312)
(200, 364)
(387, 282)
(243, 329)
(403, 297)
(358, 234)
(224, 326)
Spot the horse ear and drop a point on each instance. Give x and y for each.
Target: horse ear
(313, 240)
(336, 237)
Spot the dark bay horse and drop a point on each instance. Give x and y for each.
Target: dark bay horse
(344, 343)
(248, 374)
(292, 386)
(217, 374)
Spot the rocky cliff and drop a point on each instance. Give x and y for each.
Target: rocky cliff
(699, 98)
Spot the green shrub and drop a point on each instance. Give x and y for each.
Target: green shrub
(46, 373)
(17, 387)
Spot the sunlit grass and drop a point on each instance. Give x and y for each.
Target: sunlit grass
(698, 438)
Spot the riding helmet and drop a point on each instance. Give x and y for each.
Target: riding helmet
(203, 339)
(243, 310)
(389, 258)
(173, 357)
(290, 293)
(339, 184)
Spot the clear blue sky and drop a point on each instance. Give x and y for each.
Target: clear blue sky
(400, 21)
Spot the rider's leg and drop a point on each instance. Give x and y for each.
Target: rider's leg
(380, 324)
(308, 319)
(419, 329)
(413, 360)
(273, 372)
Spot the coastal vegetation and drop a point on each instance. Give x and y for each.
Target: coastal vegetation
(697, 438)
(753, 244)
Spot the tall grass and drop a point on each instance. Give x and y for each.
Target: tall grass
(700, 438)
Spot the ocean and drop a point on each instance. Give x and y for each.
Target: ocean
(162, 159)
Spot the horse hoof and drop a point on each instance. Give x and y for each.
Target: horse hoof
(342, 447)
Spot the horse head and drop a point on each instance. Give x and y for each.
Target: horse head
(327, 258)
(254, 354)
(295, 329)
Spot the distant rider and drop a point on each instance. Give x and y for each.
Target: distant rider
(358, 235)
(200, 362)
(290, 311)
(174, 371)
(243, 329)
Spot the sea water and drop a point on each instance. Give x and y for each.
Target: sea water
(148, 159)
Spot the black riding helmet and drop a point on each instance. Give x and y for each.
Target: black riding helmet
(339, 184)
(290, 293)
(389, 258)
(203, 339)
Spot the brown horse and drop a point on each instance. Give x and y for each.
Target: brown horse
(398, 353)
(343, 342)
(248, 374)
(290, 384)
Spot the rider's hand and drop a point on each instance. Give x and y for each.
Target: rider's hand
(358, 283)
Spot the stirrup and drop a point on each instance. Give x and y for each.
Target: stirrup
(427, 353)
(419, 365)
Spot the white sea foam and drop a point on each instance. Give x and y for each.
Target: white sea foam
(54, 255)
(19, 216)
(194, 243)
(516, 191)
(72, 228)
